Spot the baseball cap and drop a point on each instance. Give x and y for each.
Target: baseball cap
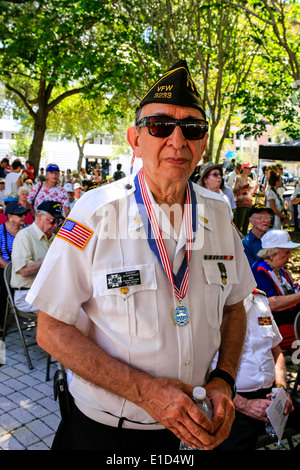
(52, 167)
(247, 165)
(277, 239)
(257, 208)
(53, 207)
(15, 208)
(77, 185)
(69, 187)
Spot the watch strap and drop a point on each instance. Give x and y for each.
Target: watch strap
(222, 374)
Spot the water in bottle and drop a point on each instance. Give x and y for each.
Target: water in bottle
(269, 428)
(201, 400)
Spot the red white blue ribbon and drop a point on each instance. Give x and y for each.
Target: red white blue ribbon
(179, 281)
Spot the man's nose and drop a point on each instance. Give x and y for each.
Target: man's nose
(177, 138)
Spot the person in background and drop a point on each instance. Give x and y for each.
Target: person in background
(295, 201)
(14, 179)
(118, 174)
(229, 194)
(28, 171)
(262, 367)
(15, 220)
(211, 178)
(2, 190)
(131, 372)
(260, 218)
(23, 192)
(3, 165)
(69, 187)
(275, 201)
(29, 250)
(273, 279)
(232, 175)
(48, 190)
(244, 189)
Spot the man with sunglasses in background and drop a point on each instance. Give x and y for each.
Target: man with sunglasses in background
(260, 218)
(155, 278)
(29, 250)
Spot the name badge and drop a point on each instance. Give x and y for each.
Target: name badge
(127, 278)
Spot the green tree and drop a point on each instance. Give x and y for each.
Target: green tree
(275, 96)
(48, 53)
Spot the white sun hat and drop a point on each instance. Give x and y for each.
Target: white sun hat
(278, 239)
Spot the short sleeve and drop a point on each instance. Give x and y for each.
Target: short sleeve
(64, 282)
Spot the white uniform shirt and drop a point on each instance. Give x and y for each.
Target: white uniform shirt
(135, 325)
(257, 367)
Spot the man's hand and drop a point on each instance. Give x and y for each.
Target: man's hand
(219, 392)
(169, 402)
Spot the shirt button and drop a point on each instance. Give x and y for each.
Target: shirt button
(187, 363)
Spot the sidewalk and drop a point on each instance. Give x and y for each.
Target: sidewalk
(29, 416)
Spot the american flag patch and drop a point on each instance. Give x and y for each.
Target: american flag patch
(74, 233)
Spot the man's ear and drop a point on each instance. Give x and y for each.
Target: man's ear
(133, 138)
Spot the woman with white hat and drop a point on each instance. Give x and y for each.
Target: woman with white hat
(272, 278)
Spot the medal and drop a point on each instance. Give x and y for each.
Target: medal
(181, 315)
(223, 273)
(179, 281)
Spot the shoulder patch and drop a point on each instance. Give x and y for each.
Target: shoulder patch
(75, 233)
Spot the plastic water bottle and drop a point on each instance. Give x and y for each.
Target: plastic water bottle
(201, 400)
(269, 428)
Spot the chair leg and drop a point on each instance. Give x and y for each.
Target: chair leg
(48, 367)
(23, 340)
(5, 320)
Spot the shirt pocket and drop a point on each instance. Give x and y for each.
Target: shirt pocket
(217, 288)
(128, 309)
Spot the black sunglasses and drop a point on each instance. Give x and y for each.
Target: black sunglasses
(163, 126)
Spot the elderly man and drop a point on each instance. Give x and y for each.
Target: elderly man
(29, 250)
(260, 218)
(153, 289)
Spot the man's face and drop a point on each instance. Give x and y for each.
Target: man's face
(170, 158)
(71, 196)
(261, 221)
(47, 223)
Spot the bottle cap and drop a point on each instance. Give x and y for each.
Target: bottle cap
(199, 393)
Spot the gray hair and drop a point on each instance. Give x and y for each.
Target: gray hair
(267, 253)
(23, 188)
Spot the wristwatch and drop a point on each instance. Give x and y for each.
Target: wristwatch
(222, 374)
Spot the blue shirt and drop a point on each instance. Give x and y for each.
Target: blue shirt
(6, 243)
(252, 245)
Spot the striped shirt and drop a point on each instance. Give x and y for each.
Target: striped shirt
(6, 243)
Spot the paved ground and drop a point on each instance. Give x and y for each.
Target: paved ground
(29, 416)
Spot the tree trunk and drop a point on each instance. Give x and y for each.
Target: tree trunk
(36, 146)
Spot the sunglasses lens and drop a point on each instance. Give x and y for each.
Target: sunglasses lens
(163, 126)
(193, 129)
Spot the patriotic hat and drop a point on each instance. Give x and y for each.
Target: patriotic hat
(175, 87)
(53, 207)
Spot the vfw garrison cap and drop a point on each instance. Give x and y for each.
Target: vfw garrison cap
(175, 87)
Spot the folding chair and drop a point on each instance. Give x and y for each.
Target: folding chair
(18, 314)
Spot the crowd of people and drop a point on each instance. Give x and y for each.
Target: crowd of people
(40, 202)
(132, 367)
